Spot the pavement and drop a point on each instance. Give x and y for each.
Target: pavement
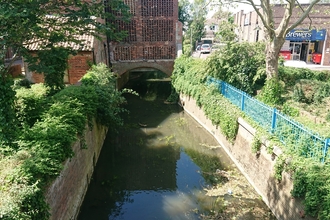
(291, 63)
(198, 54)
(303, 64)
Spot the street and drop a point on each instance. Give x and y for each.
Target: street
(198, 54)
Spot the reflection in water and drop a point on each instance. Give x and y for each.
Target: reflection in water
(160, 166)
(180, 206)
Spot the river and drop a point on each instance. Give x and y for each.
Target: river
(163, 165)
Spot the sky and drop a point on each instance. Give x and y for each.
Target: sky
(247, 8)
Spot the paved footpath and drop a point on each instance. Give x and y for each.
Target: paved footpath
(302, 64)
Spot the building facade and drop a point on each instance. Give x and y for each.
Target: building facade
(93, 52)
(153, 39)
(309, 42)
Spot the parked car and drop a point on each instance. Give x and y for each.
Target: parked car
(198, 48)
(206, 48)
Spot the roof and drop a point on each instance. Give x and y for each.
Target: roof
(86, 40)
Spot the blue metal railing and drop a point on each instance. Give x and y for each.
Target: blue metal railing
(291, 133)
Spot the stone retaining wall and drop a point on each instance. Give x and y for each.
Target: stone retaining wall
(258, 170)
(67, 191)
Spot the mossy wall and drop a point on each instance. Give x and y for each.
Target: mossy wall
(65, 195)
(257, 168)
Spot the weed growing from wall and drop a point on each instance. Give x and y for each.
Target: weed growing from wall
(256, 144)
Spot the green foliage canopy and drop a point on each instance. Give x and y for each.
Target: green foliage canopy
(240, 64)
(52, 24)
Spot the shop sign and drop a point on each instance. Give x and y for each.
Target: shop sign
(305, 35)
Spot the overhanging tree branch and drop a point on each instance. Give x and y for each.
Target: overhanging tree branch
(304, 15)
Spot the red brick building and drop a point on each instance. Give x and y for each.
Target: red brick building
(93, 51)
(311, 39)
(153, 40)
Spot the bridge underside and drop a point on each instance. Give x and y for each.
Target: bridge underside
(125, 70)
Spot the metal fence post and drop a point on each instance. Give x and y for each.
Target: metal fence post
(219, 83)
(274, 119)
(325, 149)
(223, 88)
(242, 100)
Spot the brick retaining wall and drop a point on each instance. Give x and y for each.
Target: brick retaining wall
(257, 170)
(67, 191)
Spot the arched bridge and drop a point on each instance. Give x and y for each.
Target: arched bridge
(124, 70)
(153, 41)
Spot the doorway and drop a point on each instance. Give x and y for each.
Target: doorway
(295, 49)
(299, 50)
(304, 52)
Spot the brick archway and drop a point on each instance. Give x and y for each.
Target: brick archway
(123, 69)
(166, 66)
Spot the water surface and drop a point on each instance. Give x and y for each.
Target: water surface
(163, 165)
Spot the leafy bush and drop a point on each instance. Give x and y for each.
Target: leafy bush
(30, 104)
(46, 138)
(240, 64)
(256, 144)
(8, 121)
(322, 92)
(190, 79)
(87, 97)
(312, 183)
(298, 93)
(107, 100)
(271, 92)
(289, 110)
(22, 83)
(291, 74)
(221, 112)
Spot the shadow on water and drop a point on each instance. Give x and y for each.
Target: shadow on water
(163, 165)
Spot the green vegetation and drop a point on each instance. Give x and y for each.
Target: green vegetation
(306, 97)
(192, 14)
(189, 78)
(256, 144)
(48, 126)
(56, 27)
(240, 64)
(311, 179)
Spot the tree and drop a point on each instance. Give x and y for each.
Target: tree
(196, 25)
(275, 36)
(226, 26)
(238, 64)
(53, 65)
(184, 16)
(54, 23)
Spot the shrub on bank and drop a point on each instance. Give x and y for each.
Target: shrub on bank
(189, 78)
(240, 64)
(290, 75)
(311, 180)
(49, 127)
